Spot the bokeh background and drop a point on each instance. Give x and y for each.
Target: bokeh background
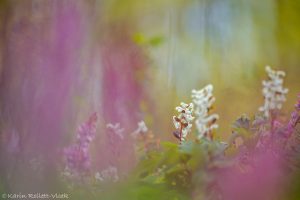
(61, 60)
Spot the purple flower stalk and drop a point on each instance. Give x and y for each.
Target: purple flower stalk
(77, 156)
(294, 120)
(297, 105)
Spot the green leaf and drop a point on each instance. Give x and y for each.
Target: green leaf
(156, 41)
(139, 38)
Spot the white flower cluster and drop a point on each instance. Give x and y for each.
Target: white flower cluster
(141, 129)
(273, 91)
(183, 121)
(110, 174)
(203, 100)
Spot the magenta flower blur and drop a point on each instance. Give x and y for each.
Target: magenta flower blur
(297, 106)
(294, 120)
(77, 156)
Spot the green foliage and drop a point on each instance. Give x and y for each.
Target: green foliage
(245, 132)
(188, 170)
(154, 41)
(144, 191)
(179, 168)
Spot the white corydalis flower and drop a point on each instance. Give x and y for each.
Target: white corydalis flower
(141, 129)
(183, 122)
(107, 175)
(273, 91)
(203, 100)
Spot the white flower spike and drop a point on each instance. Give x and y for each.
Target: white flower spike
(203, 100)
(183, 122)
(273, 91)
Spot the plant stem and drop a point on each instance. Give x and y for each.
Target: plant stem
(180, 133)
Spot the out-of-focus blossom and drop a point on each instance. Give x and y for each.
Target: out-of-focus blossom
(145, 139)
(116, 128)
(183, 122)
(86, 131)
(203, 100)
(292, 144)
(257, 176)
(273, 91)
(78, 159)
(141, 129)
(115, 136)
(108, 175)
(295, 119)
(297, 105)
(77, 155)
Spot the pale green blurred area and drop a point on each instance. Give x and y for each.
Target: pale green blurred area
(226, 43)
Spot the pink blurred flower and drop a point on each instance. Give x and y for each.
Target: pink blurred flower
(77, 155)
(259, 178)
(297, 106)
(294, 119)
